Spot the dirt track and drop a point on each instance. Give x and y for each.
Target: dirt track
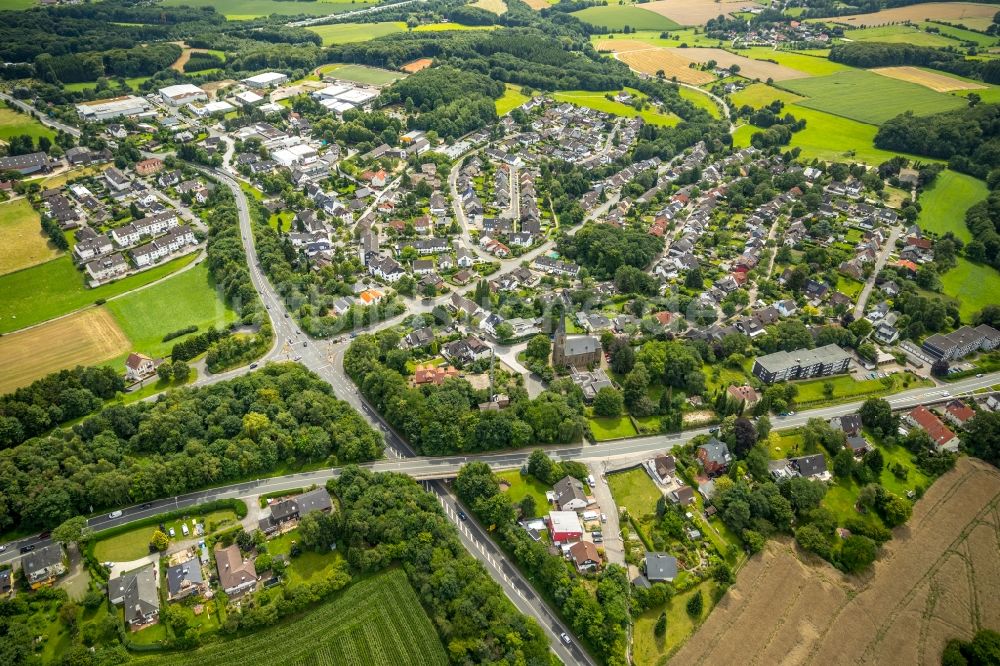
(936, 580)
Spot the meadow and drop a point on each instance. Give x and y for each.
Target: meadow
(249, 9)
(807, 62)
(598, 102)
(943, 205)
(13, 123)
(867, 97)
(899, 34)
(55, 288)
(377, 621)
(187, 299)
(512, 98)
(616, 17)
(974, 286)
(521, 486)
(960, 34)
(604, 428)
(701, 100)
(24, 243)
(761, 94)
(133, 83)
(345, 33)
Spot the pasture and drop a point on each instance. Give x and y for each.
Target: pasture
(694, 12)
(860, 96)
(943, 205)
(512, 98)
(807, 62)
(362, 74)
(346, 33)
(236, 10)
(616, 17)
(700, 100)
(14, 123)
(377, 621)
(971, 14)
(960, 34)
(791, 608)
(187, 299)
(898, 34)
(133, 84)
(749, 68)
(761, 94)
(653, 59)
(935, 81)
(598, 102)
(85, 338)
(24, 243)
(974, 286)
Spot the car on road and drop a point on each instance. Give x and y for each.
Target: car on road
(590, 481)
(253, 365)
(604, 517)
(27, 549)
(305, 343)
(979, 374)
(2, 548)
(146, 505)
(713, 430)
(791, 413)
(946, 393)
(461, 515)
(115, 514)
(564, 637)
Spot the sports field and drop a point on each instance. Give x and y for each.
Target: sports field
(13, 123)
(188, 299)
(512, 98)
(55, 288)
(598, 102)
(24, 244)
(361, 74)
(695, 12)
(85, 338)
(898, 34)
(345, 33)
(929, 79)
(974, 286)
(943, 206)
(377, 621)
(869, 98)
(249, 9)
(616, 17)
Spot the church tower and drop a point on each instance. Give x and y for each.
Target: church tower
(559, 344)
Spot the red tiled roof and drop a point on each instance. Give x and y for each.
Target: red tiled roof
(938, 431)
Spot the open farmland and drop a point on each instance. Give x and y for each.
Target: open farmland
(13, 123)
(784, 610)
(616, 17)
(85, 338)
(929, 79)
(700, 100)
(972, 14)
(24, 243)
(696, 12)
(653, 59)
(809, 62)
(898, 34)
(761, 94)
(249, 9)
(496, 6)
(376, 622)
(868, 98)
(751, 69)
(943, 205)
(537, 5)
(974, 286)
(347, 33)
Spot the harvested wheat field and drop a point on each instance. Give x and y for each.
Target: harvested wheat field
(650, 60)
(84, 338)
(749, 68)
(537, 5)
(622, 45)
(696, 12)
(933, 80)
(934, 581)
(416, 65)
(496, 6)
(953, 12)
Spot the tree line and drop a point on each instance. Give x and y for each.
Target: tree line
(603, 249)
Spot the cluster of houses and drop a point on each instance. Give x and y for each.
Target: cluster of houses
(573, 523)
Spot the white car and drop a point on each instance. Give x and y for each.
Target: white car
(115, 514)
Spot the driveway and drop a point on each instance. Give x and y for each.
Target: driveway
(614, 549)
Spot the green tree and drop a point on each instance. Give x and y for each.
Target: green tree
(319, 530)
(857, 553)
(608, 402)
(181, 371)
(539, 348)
(660, 629)
(694, 279)
(74, 530)
(695, 605)
(165, 371)
(160, 540)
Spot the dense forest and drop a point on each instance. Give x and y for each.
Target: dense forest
(602, 249)
(983, 221)
(389, 519)
(445, 419)
(450, 101)
(279, 416)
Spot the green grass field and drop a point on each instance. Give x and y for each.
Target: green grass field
(867, 97)
(362, 74)
(451, 25)
(943, 206)
(282, 220)
(846, 387)
(134, 544)
(814, 65)
(248, 9)
(512, 98)
(307, 567)
(616, 17)
(899, 34)
(24, 242)
(377, 621)
(132, 82)
(345, 33)
(604, 428)
(637, 493)
(56, 288)
(14, 5)
(647, 647)
(974, 286)
(525, 486)
(961, 35)
(674, 38)
(701, 100)
(13, 123)
(598, 102)
(849, 286)
(761, 94)
(188, 299)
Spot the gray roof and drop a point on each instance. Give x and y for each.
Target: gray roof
(136, 592)
(661, 567)
(717, 451)
(567, 489)
(42, 558)
(782, 360)
(810, 465)
(189, 571)
(300, 505)
(581, 344)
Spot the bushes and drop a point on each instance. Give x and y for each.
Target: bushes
(178, 333)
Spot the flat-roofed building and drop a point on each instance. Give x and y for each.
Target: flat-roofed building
(183, 93)
(115, 107)
(265, 80)
(961, 343)
(801, 364)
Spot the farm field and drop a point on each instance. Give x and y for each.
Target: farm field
(694, 12)
(55, 288)
(701, 100)
(346, 33)
(14, 5)
(898, 34)
(929, 79)
(785, 608)
(751, 69)
(761, 94)
(616, 17)
(971, 14)
(808, 62)
(188, 299)
(672, 38)
(496, 6)
(960, 34)
(13, 123)
(943, 206)
(377, 621)
(597, 101)
(85, 338)
(974, 286)
(449, 25)
(362, 74)
(24, 243)
(248, 9)
(537, 5)
(653, 59)
(856, 95)
(512, 98)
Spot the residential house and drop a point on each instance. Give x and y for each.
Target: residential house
(813, 466)
(683, 495)
(961, 343)
(148, 167)
(466, 351)
(660, 567)
(664, 467)
(569, 494)
(117, 180)
(294, 508)
(801, 364)
(564, 526)
(106, 268)
(584, 555)
(237, 575)
(136, 592)
(419, 337)
(429, 374)
(958, 413)
(942, 436)
(714, 457)
(185, 579)
(744, 394)
(43, 565)
(138, 366)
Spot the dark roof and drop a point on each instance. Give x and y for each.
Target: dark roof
(300, 505)
(849, 423)
(716, 451)
(810, 465)
(661, 567)
(42, 558)
(569, 488)
(189, 571)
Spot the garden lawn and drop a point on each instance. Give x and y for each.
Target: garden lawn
(845, 387)
(647, 647)
(616, 17)
(635, 491)
(974, 286)
(849, 286)
(377, 621)
(604, 428)
(862, 96)
(282, 220)
(14, 123)
(914, 477)
(701, 100)
(598, 102)
(784, 444)
(522, 486)
(512, 98)
(56, 288)
(346, 33)
(24, 242)
(134, 544)
(943, 206)
(720, 376)
(307, 567)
